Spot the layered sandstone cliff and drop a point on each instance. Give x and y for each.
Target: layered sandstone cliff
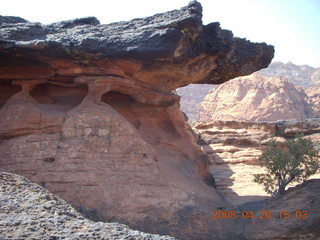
(256, 98)
(89, 112)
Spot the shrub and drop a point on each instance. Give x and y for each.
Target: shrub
(292, 161)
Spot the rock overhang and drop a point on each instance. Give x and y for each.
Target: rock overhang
(164, 51)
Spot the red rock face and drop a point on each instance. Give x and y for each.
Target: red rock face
(90, 114)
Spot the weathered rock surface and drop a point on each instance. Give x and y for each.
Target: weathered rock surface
(235, 146)
(28, 211)
(89, 112)
(255, 98)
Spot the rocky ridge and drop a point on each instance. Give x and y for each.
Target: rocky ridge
(304, 197)
(89, 111)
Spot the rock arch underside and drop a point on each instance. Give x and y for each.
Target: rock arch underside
(89, 111)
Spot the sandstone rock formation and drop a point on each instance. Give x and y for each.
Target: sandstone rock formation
(89, 112)
(235, 146)
(28, 211)
(255, 98)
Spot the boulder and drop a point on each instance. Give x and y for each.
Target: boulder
(29, 211)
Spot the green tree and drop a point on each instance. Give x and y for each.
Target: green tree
(292, 161)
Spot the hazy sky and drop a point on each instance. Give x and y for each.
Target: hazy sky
(292, 26)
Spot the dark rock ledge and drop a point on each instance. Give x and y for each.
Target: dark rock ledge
(172, 49)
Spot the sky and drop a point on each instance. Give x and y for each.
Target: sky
(292, 26)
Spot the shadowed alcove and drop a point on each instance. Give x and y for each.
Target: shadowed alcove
(123, 103)
(8, 90)
(64, 98)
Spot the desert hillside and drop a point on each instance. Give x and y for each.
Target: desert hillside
(35, 213)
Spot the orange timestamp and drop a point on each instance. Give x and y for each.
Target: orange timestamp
(232, 214)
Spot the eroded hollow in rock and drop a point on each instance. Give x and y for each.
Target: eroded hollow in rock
(122, 103)
(149, 119)
(64, 98)
(7, 91)
(117, 99)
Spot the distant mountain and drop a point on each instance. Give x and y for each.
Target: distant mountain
(301, 75)
(304, 76)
